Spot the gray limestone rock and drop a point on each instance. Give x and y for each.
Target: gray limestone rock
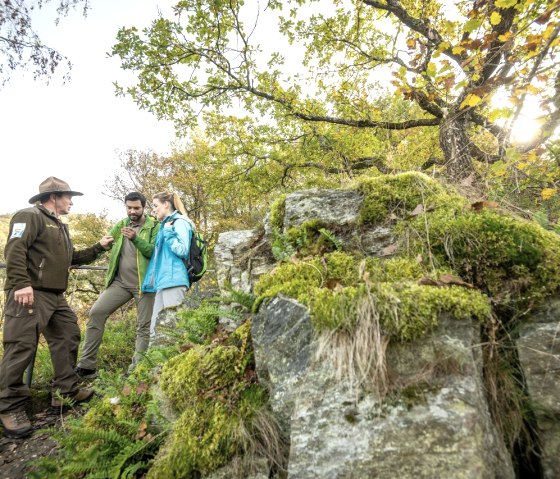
(371, 241)
(282, 341)
(539, 354)
(238, 261)
(339, 207)
(340, 430)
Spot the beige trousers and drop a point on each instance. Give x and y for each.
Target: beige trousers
(115, 296)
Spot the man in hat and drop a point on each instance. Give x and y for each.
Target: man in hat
(38, 255)
(131, 251)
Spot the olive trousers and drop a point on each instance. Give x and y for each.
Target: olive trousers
(115, 296)
(51, 316)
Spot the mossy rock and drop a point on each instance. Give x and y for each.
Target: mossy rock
(390, 197)
(406, 311)
(216, 397)
(200, 442)
(515, 261)
(332, 287)
(207, 435)
(510, 263)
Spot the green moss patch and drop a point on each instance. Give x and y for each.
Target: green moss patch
(331, 286)
(515, 262)
(277, 213)
(406, 311)
(212, 389)
(392, 197)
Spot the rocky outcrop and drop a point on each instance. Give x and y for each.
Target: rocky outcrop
(242, 257)
(539, 354)
(238, 262)
(435, 422)
(340, 430)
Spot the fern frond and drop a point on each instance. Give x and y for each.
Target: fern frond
(330, 236)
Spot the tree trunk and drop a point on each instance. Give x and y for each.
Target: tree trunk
(454, 142)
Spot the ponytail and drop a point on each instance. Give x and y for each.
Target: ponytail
(175, 202)
(179, 206)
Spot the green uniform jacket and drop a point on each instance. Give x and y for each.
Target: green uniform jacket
(39, 251)
(144, 242)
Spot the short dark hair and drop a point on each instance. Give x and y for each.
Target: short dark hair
(135, 196)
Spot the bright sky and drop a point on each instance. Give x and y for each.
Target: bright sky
(73, 131)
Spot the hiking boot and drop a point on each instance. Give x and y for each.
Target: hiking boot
(86, 373)
(82, 395)
(16, 424)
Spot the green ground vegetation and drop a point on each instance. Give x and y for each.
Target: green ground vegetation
(208, 379)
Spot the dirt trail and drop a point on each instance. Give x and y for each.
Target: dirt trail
(17, 455)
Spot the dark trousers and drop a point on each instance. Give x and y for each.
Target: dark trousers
(51, 316)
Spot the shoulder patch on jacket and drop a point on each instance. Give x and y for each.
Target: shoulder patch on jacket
(17, 230)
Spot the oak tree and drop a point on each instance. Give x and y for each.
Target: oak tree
(449, 59)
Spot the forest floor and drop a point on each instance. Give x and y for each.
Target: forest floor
(17, 456)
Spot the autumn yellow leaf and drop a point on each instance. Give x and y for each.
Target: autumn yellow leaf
(431, 69)
(443, 46)
(495, 18)
(549, 30)
(548, 193)
(504, 37)
(470, 100)
(457, 50)
(505, 3)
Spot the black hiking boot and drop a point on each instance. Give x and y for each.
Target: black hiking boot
(86, 373)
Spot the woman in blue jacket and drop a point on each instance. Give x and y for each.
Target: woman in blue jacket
(166, 274)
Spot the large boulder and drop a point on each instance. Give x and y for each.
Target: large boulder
(539, 355)
(340, 207)
(342, 430)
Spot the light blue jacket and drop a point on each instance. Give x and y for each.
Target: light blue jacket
(166, 268)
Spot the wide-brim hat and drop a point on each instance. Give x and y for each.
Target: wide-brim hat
(53, 185)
